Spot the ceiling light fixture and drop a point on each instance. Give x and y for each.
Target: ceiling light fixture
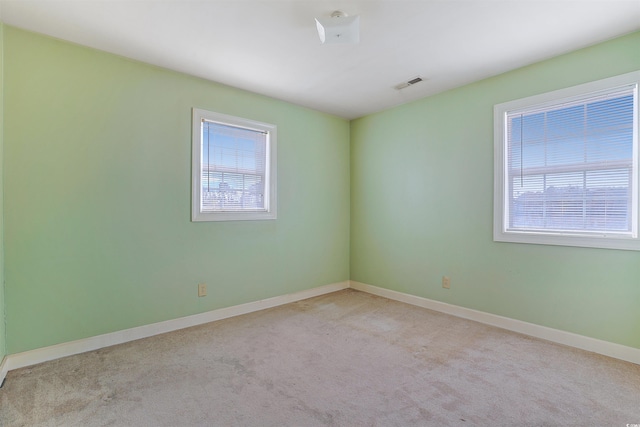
(340, 28)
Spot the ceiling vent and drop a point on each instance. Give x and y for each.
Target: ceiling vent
(408, 83)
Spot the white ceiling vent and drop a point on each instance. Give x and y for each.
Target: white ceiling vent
(408, 83)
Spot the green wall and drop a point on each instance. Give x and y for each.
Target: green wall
(422, 207)
(98, 236)
(97, 230)
(3, 349)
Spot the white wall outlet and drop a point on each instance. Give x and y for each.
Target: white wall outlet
(446, 282)
(202, 289)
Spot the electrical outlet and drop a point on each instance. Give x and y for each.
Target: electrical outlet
(446, 282)
(202, 289)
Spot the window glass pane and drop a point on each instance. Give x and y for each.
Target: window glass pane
(233, 168)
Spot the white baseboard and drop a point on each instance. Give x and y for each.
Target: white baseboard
(32, 357)
(618, 351)
(3, 369)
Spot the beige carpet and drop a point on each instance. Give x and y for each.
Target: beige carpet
(343, 359)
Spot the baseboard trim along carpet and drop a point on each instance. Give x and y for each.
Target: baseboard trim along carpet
(3, 370)
(33, 357)
(582, 342)
(39, 355)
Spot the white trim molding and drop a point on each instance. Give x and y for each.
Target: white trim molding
(606, 348)
(44, 354)
(4, 368)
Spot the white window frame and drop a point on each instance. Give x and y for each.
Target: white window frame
(629, 241)
(197, 213)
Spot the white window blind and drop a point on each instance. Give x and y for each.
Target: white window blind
(234, 164)
(570, 165)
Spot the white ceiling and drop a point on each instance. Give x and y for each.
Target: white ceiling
(272, 47)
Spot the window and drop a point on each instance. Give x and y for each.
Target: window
(566, 166)
(233, 168)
